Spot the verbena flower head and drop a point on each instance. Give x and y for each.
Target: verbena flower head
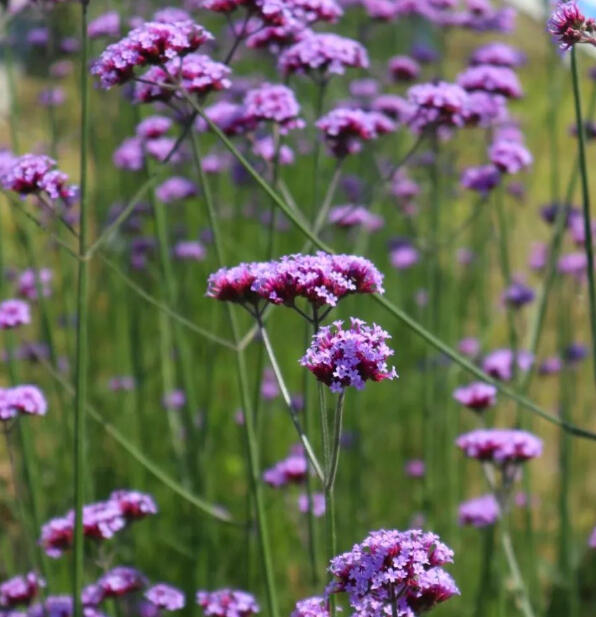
(153, 127)
(498, 54)
(227, 603)
(195, 73)
(355, 216)
(315, 606)
(321, 279)
(290, 470)
(436, 105)
(509, 156)
(317, 504)
(403, 68)
(344, 129)
(120, 581)
(29, 280)
(493, 79)
(415, 468)
(151, 43)
(568, 25)
(59, 606)
(107, 24)
(26, 399)
(340, 357)
(518, 294)
(14, 313)
(190, 250)
(325, 53)
(134, 505)
(176, 188)
(476, 396)
(479, 512)
(20, 590)
(129, 154)
(500, 446)
(500, 363)
(166, 597)
(390, 561)
(36, 174)
(481, 179)
(273, 103)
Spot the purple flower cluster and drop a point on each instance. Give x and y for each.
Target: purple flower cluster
(500, 446)
(290, 470)
(344, 129)
(325, 53)
(391, 564)
(476, 396)
(497, 80)
(272, 103)
(116, 582)
(479, 512)
(101, 520)
(20, 590)
(355, 216)
(436, 105)
(29, 280)
(501, 363)
(14, 313)
(151, 43)
(321, 279)
(498, 54)
(568, 25)
(317, 503)
(166, 597)
(403, 68)
(25, 399)
(340, 357)
(482, 179)
(316, 606)
(106, 24)
(36, 174)
(194, 73)
(227, 603)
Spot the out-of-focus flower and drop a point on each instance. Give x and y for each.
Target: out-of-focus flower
(14, 313)
(500, 446)
(476, 396)
(479, 512)
(415, 468)
(227, 603)
(165, 597)
(20, 590)
(290, 470)
(106, 24)
(317, 503)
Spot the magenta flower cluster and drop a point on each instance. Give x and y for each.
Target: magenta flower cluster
(500, 446)
(290, 470)
(568, 25)
(20, 590)
(479, 512)
(25, 399)
(101, 520)
(14, 313)
(321, 279)
(394, 566)
(36, 174)
(340, 357)
(476, 396)
(151, 43)
(227, 603)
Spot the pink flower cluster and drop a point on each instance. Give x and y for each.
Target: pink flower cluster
(355, 216)
(14, 313)
(344, 129)
(151, 43)
(500, 446)
(116, 582)
(166, 597)
(25, 399)
(195, 73)
(569, 25)
(476, 396)
(20, 590)
(290, 470)
(341, 357)
(101, 520)
(272, 103)
(35, 174)
(315, 606)
(324, 53)
(390, 564)
(479, 512)
(321, 279)
(227, 603)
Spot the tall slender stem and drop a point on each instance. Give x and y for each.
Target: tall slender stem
(579, 121)
(249, 428)
(81, 341)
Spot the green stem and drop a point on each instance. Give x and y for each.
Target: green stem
(579, 121)
(81, 337)
(336, 443)
(288, 401)
(249, 428)
(519, 587)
